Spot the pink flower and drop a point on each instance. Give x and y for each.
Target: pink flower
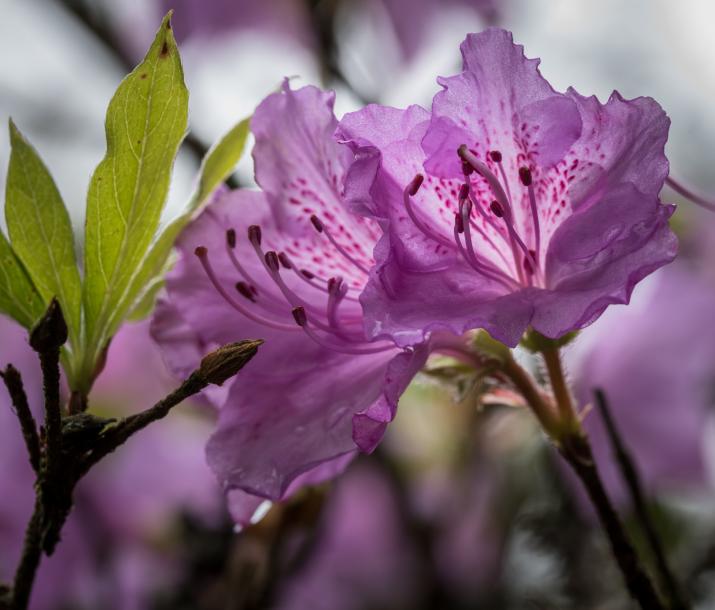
(512, 205)
(288, 265)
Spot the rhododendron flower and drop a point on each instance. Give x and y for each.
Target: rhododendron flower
(288, 265)
(512, 205)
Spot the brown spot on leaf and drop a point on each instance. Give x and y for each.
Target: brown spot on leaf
(142, 75)
(164, 50)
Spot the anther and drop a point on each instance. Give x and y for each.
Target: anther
(272, 260)
(299, 315)
(316, 223)
(201, 251)
(496, 209)
(466, 169)
(254, 235)
(246, 291)
(415, 185)
(463, 192)
(231, 238)
(525, 176)
(308, 275)
(495, 156)
(285, 261)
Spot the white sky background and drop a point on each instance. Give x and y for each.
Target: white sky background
(56, 80)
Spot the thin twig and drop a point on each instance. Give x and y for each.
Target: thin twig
(574, 447)
(630, 475)
(29, 561)
(577, 452)
(13, 381)
(118, 434)
(215, 368)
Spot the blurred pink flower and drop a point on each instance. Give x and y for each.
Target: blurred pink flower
(654, 362)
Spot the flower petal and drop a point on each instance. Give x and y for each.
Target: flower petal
(295, 412)
(597, 256)
(499, 102)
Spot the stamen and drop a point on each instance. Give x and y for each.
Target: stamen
(301, 319)
(496, 209)
(688, 194)
(245, 291)
(285, 261)
(254, 235)
(230, 249)
(525, 177)
(502, 199)
(469, 157)
(465, 210)
(409, 192)
(271, 259)
(202, 254)
(321, 228)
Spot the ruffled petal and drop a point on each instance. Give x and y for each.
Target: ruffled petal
(597, 256)
(499, 102)
(295, 412)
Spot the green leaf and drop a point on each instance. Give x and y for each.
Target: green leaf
(18, 297)
(40, 230)
(146, 122)
(221, 160)
(145, 305)
(218, 163)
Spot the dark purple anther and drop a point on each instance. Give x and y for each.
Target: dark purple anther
(245, 291)
(299, 316)
(495, 156)
(254, 235)
(285, 261)
(415, 185)
(272, 260)
(525, 176)
(317, 223)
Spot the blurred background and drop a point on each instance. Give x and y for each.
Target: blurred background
(464, 505)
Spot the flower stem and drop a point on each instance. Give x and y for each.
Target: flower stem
(537, 402)
(576, 450)
(562, 394)
(629, 472)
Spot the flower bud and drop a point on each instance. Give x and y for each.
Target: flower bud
(226, 361)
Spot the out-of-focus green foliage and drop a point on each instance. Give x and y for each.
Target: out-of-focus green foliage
(41, 232)
(125, 254)
(146, 122)
(18, 297)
